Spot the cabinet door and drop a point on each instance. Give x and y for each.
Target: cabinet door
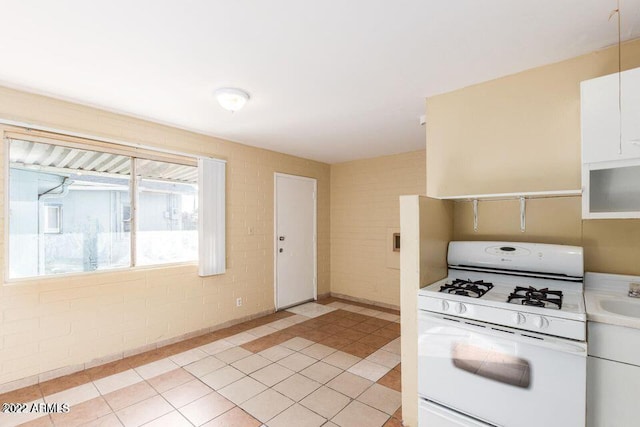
(610, 116)
(630, 84)
(600, 117)
(611, 190)
(612, 390)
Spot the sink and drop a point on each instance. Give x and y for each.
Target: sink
(621, 307)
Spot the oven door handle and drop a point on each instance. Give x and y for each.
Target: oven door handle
(558, 344)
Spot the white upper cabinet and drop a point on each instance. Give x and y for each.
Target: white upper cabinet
(602, 100)
(610, 116)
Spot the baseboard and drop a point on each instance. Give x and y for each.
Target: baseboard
(365, 301)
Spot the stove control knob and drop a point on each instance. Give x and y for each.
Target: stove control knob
(541, 322)
(519, 318)
(445, 305)
(460, 308)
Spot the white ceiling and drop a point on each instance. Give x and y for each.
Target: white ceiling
(330, 80)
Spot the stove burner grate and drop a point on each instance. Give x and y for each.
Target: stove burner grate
(536, 297)
(467, 288)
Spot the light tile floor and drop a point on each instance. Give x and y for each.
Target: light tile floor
(331, 363)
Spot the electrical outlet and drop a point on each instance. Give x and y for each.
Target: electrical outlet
(238, 302)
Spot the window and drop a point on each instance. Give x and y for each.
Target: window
(75, 208)
(89, 187)
(167, 212)
(52, 219)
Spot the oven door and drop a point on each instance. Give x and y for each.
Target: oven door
(500, 375)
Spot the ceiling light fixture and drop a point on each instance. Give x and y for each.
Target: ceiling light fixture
(230, 98)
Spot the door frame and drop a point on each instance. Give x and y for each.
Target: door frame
(275, 234)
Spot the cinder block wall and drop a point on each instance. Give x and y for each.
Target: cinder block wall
(47, 324)
(365, 212)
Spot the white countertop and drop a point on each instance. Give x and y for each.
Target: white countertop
(607, 290)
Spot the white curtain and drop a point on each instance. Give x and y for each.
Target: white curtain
(211, 216)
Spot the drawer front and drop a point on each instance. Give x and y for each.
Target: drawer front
(614, 342)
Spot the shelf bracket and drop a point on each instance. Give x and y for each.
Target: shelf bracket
(475, 215)
(523, 214)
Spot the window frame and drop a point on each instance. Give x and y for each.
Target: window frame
(47, 229)
(133, 151)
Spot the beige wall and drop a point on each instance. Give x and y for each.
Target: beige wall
(554, 220)
(50, 323)
(610, 246)
(517, 133)
(364, 215)
(522, 133)
(427, 227)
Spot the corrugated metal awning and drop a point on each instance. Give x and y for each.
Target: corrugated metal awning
(67, 160)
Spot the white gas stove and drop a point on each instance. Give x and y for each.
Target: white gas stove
(507, 326)
(510, 301)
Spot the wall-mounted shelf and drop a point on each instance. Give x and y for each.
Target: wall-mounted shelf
(515, 196)
(522, 197)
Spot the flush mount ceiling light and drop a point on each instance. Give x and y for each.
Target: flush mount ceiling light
(230, 98)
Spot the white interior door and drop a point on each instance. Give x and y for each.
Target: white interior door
(295, 240)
